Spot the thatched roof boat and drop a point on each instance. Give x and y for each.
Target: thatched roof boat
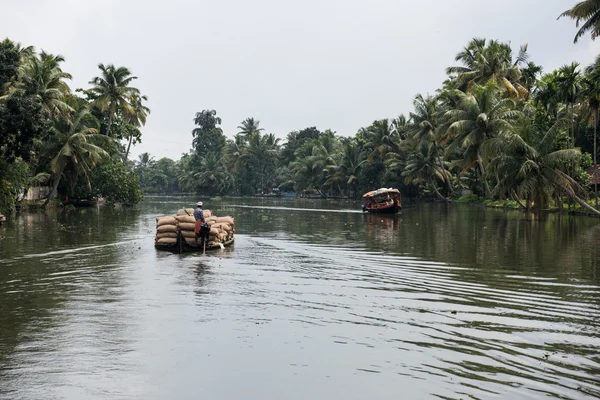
(384, 200)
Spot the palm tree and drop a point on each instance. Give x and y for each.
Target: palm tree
(422, 168)
(248, 127)
(308, 172)
(381, 138)
(531, 163)
(44, 78)
(530, 75)
(424, 128)
(137, 118)
(589, 11)
(479, 116)
(569, 88)
(213, 173)
(483, 62)
(260, 155)
(591, 92)
(206, 120)
(233, 152)
(113, 93)
(145, 160)
(352, 157)
(77, 149)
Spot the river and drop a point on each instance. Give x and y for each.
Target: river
(314, 301)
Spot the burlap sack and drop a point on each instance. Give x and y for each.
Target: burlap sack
(187, 211)
(226, 227)
(166, 235)
(214, 232)
(186, 226)
(207, 214)
(166, 228)
(216, 225)
(166, 221)
(185, 218)
(166, 240)
(229, 220)
(210, 220)
(188, 234)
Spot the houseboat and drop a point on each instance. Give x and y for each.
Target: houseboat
(383, 201)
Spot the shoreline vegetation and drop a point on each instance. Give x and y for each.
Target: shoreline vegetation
(500, 131)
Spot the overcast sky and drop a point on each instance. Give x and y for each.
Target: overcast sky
(337, 64)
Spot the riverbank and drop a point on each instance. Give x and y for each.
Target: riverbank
(572, 209)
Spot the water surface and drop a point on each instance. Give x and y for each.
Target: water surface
(315, 300)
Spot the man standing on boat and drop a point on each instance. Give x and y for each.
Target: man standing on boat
(199, 217)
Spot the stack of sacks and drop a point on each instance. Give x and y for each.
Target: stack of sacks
(186, 223)
(221, 229)
(166, 230)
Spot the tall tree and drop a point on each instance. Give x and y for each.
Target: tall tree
(478, 117)
(588, 11)
(76, 148)
(422, 167)
(591, 93)
(208, 136)
(137, 118)
(44, 78)
(532, 164)
(424, 129)
(484, 61)
(261, 154)
(248, 127)
(569, 88)
(113, 93)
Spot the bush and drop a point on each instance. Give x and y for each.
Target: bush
(112, 181)
(13, 180)
(469, 198)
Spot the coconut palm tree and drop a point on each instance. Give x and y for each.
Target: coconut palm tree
(145, 160)
(382, 138)
(77, 150)
(345, 171)
(213, 173)
(308, 172)
(424, 128)
(531, 164)
(588, 11)
(478, 117)
(137, 118)
(113, 93)
(233, 151)
(248, 127)
(422, 168)
(43, 77)
(591, 109)
(261, 154)
(484, 61)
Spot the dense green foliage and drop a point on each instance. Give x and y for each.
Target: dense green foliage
(497, 128)
(49, 135)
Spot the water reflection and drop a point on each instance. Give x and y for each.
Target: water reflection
(315, 298)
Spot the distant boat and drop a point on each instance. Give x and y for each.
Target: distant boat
(383, 201)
